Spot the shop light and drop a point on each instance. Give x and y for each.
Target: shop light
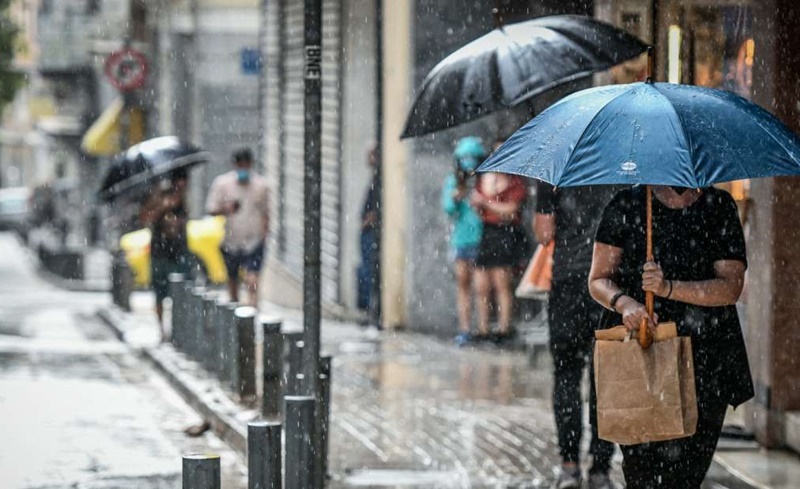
(674, 54)
(749, 52)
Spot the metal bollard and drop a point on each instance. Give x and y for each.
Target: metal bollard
(196, 323)
(176, 294)
(323, 417)
(300, 426)
(230, 342)
(221, 335)
(208, 345)
(272, 367)
(294, 367)
(264, 455)
(244, 371)
(201, 472)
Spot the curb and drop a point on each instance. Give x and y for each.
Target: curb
(203, 396)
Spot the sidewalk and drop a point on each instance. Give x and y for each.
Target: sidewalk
(413, 411)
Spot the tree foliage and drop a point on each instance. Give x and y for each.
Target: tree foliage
(11, 79)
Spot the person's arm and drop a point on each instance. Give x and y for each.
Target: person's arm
(451, 196)
(723, 290)
(605, 262)
(544, 220)
(153, 209)
(215, 202)
(544, 227)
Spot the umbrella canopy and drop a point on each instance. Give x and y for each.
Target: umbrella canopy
(142, 164)
(513, 63)
(650, 133)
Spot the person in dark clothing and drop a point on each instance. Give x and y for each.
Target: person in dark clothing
(697, 278)
(165, 213)
(570, 217)
(368, 271)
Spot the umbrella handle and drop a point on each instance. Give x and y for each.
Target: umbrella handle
(645, 336)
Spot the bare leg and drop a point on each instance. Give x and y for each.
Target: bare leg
(233, 290)
(483, 289)
(251, 283)
(464, 297)
(501, 281)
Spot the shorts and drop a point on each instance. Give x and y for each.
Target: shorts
(161, 267)
(466, 253)
(249, 261)
(502, 246)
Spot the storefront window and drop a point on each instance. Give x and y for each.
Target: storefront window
(721, 52)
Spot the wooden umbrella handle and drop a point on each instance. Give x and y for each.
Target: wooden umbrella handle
(645, 335)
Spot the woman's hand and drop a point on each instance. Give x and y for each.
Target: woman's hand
(653, 279)
(633, 313)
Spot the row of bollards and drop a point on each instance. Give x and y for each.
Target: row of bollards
(221, 337)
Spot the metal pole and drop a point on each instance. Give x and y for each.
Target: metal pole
(312, 192)
(231, 346)
(294, 373)
(201, 472)
(221, 333)
(323, 418)
(264, 455)
(196, 326)
(376, 307)
(176, 293)
(245, 362)
(272, 368)
(185, 327)
(300, 436)
(208, 340)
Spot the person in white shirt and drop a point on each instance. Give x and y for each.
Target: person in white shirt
(242, 196)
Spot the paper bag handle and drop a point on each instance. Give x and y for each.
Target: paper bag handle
(664, 331)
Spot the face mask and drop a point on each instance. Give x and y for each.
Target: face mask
(679, 190)
(242, 175)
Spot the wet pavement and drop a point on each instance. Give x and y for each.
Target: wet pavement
(412, 411)
(78, 408)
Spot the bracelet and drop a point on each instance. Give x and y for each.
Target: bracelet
(669, 294)
(614, 300)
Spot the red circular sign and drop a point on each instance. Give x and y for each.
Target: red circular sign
(126, 69)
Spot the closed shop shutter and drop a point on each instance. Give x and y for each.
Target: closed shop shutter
(292, 115)
(270, 104)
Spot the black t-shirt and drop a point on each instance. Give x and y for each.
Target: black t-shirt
(686, 243)
(167, 244)
(577, 212)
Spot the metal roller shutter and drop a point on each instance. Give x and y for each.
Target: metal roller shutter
(291, 105)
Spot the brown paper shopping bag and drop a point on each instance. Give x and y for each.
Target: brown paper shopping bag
(644, 395)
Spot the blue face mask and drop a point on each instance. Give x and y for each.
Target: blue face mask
(242, 175)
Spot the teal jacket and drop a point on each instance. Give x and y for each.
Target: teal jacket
(467, 226)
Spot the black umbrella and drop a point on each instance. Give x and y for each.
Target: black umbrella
(147, 162)
(514, 63)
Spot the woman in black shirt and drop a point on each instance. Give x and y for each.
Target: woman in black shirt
(697, 278)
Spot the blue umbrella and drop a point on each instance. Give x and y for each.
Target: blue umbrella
(649, 133)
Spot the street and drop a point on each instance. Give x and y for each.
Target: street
(78, 408)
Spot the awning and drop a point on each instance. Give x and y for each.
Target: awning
(102, 138)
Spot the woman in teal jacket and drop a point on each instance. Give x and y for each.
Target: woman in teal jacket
(467, 226)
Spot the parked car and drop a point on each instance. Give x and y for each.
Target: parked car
(204, 237)
(15, 209)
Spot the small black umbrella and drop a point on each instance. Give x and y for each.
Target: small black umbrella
(514, 63)
(146, 162)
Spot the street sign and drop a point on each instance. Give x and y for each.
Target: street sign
(126, 69)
